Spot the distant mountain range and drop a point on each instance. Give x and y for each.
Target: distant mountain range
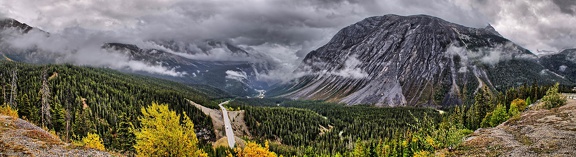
(386, 60)
(237, 77)
(418, 60)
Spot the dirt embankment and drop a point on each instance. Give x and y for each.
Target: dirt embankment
(236, 119)
(21, 138)
(216, 116)
(238, 124)
(538, 132)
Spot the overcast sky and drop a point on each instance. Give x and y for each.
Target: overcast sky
(292, 27)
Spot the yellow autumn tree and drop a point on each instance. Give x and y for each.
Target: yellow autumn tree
(162, 134)
(255, 150)
(5, 109)
(93, 141)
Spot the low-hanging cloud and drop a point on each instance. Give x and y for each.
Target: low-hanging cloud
(285, 30)
(351, 69)
(78, 47)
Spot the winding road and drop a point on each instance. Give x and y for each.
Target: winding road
(227, 125)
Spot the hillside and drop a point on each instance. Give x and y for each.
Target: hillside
(83, 100)
(21, 138)
(538, 132)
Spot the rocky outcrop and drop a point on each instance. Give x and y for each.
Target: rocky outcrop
(21, 138)
(416, 60)
(537, 132)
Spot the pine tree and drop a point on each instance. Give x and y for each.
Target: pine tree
(83, 123)
(360, 150)
(478, 110)
(125, 139)
(27, 109)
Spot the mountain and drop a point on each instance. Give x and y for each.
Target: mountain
(238, 77)
(415, 60)
(11, 23)
(200, 61)
(563, 63)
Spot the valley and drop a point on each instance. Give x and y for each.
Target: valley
(386, 85)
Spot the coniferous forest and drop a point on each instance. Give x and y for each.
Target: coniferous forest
(76, 102)
(318, 128)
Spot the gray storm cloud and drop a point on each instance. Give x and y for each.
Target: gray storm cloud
(287, 30)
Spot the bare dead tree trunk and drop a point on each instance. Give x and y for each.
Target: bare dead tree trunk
(14, 89)
(45, 109)
(3, 89)
(67, 120)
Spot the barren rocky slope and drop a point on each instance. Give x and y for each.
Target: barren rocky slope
(537, 132)
(21, 138)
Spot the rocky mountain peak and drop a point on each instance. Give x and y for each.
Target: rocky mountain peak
(491, 29)
(394, 60)
(12, 23)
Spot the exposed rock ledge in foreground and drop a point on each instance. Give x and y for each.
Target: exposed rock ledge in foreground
(536, 133)
(21, 138)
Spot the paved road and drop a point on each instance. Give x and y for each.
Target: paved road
(227, 125)
(570, 95)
